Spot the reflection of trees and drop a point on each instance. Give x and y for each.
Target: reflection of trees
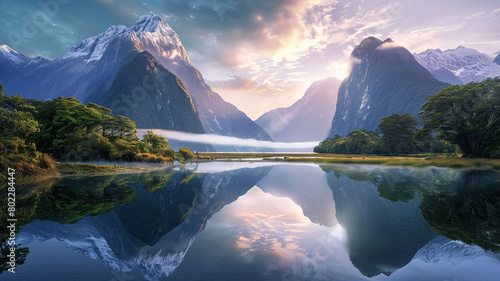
(459, 204)
(21, 254)
(161, 210)
(395, 184)
(467, 209)
(396, 188)
(383, 236)
(70, 199)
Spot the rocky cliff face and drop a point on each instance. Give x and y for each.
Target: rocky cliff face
(385, 79)
(162, 102)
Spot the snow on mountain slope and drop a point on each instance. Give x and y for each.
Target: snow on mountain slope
(444, 249)
(17, 59)
(458, 66)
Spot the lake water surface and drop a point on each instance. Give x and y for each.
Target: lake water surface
(263, 221)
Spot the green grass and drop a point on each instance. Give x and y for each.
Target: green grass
(79, 169)
(415, 161)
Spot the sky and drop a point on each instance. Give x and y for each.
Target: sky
(260, 54)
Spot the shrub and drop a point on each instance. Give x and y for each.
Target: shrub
(185, 154)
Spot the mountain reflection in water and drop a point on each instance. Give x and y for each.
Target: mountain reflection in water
(265, 221)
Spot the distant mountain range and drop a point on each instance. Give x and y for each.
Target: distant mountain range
(99, 69)
(385, 79)
(308, 119)
(459, 66)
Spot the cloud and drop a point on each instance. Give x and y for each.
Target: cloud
(249, 84)
(224, 140)
(389, 45)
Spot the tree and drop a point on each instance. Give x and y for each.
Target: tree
(397, 133)
(185, 153)
(326, 146)
(466, 115)
(157, 144)
(16, 120)
(358, 142)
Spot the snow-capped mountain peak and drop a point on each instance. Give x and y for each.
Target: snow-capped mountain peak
(19, 60)
(11, 55)
(6, 49)
(94, 47)
(147, 22)
(458, 66)
(156, 36)
(149, 32)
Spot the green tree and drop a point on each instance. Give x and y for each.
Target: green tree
(124, 128)
(185, 154)
(16, 121)
(358, 142)
(397, 133)
(62, 119)
(466, 115)
(156, 144)
(326, 146)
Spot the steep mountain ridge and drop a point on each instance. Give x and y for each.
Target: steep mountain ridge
(308, 119)
(385, 79)
(164, 105)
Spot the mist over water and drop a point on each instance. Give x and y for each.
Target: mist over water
(231, 141)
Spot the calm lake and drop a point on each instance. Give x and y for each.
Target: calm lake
(263, 221)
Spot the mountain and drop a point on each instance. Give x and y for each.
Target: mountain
(165, 104)
(217, 116)
(88, 70)
(308, 119)
(385, 79)
(459, 66)
(497, 59)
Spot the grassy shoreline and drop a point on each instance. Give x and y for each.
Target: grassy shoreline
(91, 169)
(83, 169)
(75, 169)
(414, 161)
